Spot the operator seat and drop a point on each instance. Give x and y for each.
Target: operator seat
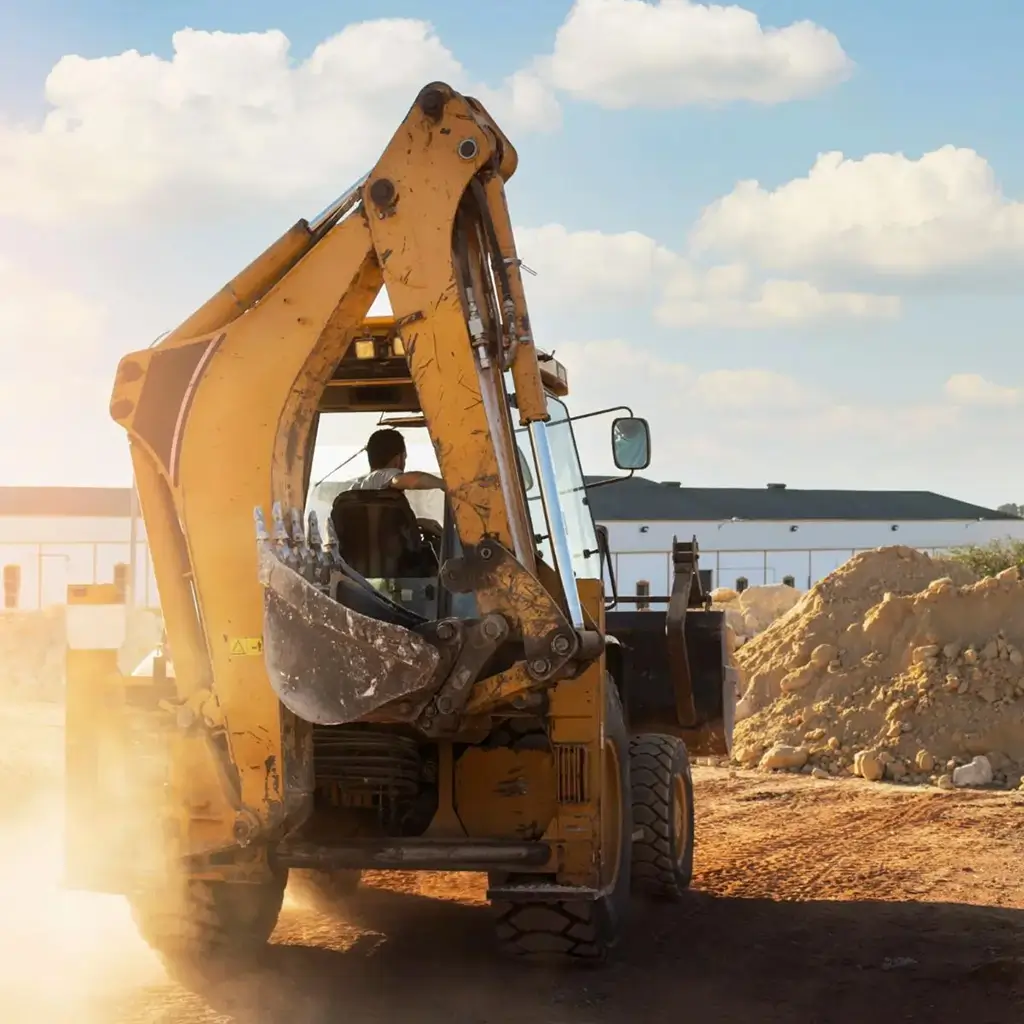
(379, 537)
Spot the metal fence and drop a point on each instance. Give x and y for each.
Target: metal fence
(47, 568)
(93, 562)
(754, 562)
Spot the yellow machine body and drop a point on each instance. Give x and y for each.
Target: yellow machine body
(277, 697)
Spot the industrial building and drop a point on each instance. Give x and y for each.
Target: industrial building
(775, 534)
(53, 536)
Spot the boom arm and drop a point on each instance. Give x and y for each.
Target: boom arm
(219, 415)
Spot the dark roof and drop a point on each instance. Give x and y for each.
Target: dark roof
(634, 499)
(641, 499)
(66, 501)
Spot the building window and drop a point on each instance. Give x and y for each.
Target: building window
(643, 590)
(741, 584)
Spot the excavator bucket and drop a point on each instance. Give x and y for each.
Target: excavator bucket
(677, 666)
(335, 649)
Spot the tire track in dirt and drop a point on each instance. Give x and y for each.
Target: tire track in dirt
(789, 840)
(796, 848)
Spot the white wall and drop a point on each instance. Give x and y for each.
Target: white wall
(56, 551)
(768, 551)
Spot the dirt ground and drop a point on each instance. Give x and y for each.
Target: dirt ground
(815, 902)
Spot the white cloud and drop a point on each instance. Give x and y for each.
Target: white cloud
(744, 427)
(600, 270)
(594, 266)
(56, 386)
(973, 389)
(885, 213)
(630, 53)
(746, 389)
(234, 115)
(729, 296)
(523, 103)
(613, 366)
(45, 328)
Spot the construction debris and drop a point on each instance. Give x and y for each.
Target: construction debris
(896, 667)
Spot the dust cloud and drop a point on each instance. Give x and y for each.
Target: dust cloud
(61, 952)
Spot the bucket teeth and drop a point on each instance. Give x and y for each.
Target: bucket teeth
(318, 544)
(282, 542)
(311, 554)
(316, 540)
(297, 534)
(305, 555)
(322, 567)
(260, 522)
(331, 546)
(280, 530)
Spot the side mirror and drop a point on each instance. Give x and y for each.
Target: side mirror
(631, 443)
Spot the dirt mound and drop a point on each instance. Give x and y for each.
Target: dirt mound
(896, 658)
(755, 609)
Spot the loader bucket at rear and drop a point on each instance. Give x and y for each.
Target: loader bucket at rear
(695, 699)
(331, 664)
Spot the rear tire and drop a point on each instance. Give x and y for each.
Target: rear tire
(663, 810)
(198, 925)
(582, 931)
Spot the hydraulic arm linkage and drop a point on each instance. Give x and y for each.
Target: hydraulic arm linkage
(220, 414)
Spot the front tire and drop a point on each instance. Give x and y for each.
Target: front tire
(584, 931)
(198, 924)
(663, 811)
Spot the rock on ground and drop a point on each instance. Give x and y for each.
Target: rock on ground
(977, 773)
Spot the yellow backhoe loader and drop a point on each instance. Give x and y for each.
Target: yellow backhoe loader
(354, 691)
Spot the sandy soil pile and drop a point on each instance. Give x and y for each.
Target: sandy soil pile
(755, 609)
(895, 666)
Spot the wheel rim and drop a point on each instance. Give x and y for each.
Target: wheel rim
(680, 816)
(611, 815)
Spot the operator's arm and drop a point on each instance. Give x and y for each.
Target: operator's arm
(417, 481)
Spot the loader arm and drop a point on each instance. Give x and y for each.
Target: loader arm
(220, 414)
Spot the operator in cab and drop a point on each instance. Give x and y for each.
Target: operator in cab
(390, 536)
(385, 451)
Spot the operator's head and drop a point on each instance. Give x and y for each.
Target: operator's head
(386, 450)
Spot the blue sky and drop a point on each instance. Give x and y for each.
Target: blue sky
(866, 397)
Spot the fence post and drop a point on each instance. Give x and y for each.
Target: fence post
(12, 586)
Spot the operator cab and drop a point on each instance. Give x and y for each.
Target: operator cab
(397, 540)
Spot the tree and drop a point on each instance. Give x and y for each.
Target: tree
(1011, 509)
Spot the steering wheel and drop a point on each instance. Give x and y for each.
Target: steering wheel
(431, 532)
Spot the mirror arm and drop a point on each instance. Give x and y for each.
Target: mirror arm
(603, 412)
(604, 550)
(611, 480)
